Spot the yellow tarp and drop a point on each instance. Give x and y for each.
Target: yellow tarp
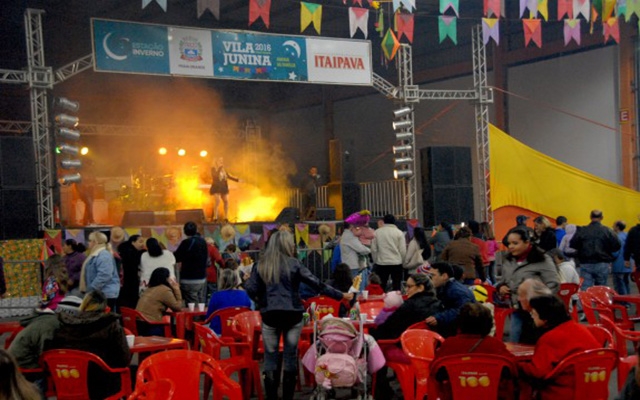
(524, 177)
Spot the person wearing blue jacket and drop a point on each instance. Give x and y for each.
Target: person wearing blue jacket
(453, 296)
(274, 285)
(99, 271)
(621, 272)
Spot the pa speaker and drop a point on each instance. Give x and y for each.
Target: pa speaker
(196, 215)
(325, 214)
(288, 215)
(138, 218)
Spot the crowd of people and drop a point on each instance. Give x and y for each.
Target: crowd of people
(431, 278)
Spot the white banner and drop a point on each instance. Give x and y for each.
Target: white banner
(190, 52)
(334, 61)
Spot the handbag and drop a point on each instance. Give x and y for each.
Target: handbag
(415, 261)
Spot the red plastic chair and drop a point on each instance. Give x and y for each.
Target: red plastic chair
(602, 335)
(593, 311)
(604, 295)
(500, 315)
(225, 314)
(131, 316)
(420, 345)
(210, 343)
(566, 291)
(247, 326)
(371, 308)
(12, 328)
(591, 370)
(324, 306)
(404, 372)
(620, 339)
(68, 372)
(471, 376)
(185, 367)
(162, 389)
(491, 290)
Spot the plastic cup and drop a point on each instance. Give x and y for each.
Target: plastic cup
(365, 294)
(363, 317)
(131, 339)
(200, 306)
(191, 306)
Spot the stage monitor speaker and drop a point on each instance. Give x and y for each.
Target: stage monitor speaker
(325, 214)
(195, 215)
(447, 185)
(137, 218)
(288, 215)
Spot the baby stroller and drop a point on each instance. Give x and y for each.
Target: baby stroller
(338, 358)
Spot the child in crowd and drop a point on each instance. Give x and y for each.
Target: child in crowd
(231, 252)
(375, 285)
(566, 267)
(482, 297)
(392, 301)
(56, 282)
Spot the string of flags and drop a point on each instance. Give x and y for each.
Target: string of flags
(531, 12)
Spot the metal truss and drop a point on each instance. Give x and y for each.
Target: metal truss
(384, 86)
(485, 97)
(74, 68)
(40, 78)
(9, 76)
(16, 127)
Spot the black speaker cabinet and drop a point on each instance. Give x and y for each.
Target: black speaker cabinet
(341, 161)
(447, 185)
(288, 215)
(325, 214)
(195, 215)
(138, 218)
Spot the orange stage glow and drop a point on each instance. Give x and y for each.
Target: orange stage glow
(187, 193)
(255, 206)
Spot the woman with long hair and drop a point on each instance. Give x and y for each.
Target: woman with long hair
(525, 260)
(418, 251)
(155, 257)
(130, 253)
(545, 234)
(99, 271)
(274, 286)
(562, 337)
(220, 187)
(13, 385)
(73, 258)
(163, 292)
(56, 282)
(229, 294)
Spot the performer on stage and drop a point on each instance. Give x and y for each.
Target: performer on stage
(309, 190)
(220, 187)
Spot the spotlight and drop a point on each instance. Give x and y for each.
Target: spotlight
(67, 104)
(203, 153)
(402, 160)
(70, 164)
(68, 149)
(69, 179)
(162, 151)
(67, 120)
(84, 151)
(69, 134)
(402, 173)
(404, 148)
(182, 152)
(402, 112)
(401, 124)
(404, 135)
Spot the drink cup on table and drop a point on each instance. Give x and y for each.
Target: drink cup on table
(131, 339)
(365, 294)
(363, 317)
(200, 306)
(191, 306)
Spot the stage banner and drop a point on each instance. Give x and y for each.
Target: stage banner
(153, 49)
(126, 47)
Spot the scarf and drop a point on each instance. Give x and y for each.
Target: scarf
(83, 281)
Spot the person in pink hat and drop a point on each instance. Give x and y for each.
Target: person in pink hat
(353, 252)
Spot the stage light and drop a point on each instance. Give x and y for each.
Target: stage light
(404, 135)
(69, 179)
(84, 151)
(70, 164)
(402, 112)
(402, 160)
(67, 120)
(403, 148)
(182, 152)
(402, 173)
(69, 134)
(401, 124)
(162, 151)
(68, 149)
(203, 153)
(67, 104)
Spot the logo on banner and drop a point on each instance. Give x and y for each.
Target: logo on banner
(338, 62)
(190, 49)
(237, 53)
(119, 48)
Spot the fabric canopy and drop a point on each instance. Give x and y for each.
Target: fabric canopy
(526, 178)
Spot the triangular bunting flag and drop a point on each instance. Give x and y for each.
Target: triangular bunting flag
(621, 8)
(302, 234)
(532, 31)
(607, 9)
(259, 9)
(404, 26)
(582, 7)
(492, 8)
(633, 7)
(358, 2)
(380, 23)
(531, 5)
(543, 9)
(565, 7)
(447, 28)
(390, 45)
(449, 4)
(491, 29)
(572, 31)
(594, 18)
(161, 3)
(611, 30)
(310, 13)
(358, 18)
(211, 5)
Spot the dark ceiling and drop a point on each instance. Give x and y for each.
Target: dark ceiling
(67, 37)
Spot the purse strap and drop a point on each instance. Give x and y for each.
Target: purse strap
(475, 345)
